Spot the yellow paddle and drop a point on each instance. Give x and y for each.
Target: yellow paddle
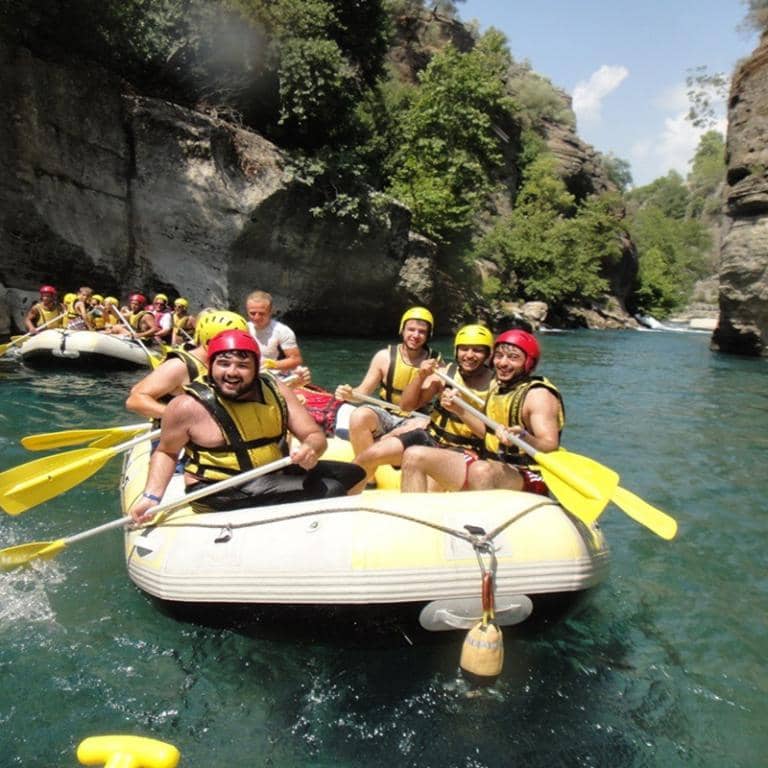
(45, 441)
(37, 481)
(16, 340)
(359, 397)
(153, 360)
(641, 511)
(21, 554)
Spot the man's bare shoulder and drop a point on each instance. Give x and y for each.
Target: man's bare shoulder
(184, 408)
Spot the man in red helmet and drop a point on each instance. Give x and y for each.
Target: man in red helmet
(142, 322)
(522, 404)
(234, 420)
(46, 313)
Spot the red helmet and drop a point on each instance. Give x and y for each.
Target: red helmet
(138, 297)
(522, 340)
(48, 289)
(232, 341)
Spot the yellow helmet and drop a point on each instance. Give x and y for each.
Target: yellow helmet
(417, 313)
(97, 298)
(212, 322)
(111, 300)
(473, 336)
(181, 302)
(69, 298)
(160, 297)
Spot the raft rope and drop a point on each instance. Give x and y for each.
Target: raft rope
(475, 536)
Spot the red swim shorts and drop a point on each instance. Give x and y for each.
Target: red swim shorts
(533, 482)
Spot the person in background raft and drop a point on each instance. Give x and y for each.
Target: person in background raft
(150, 396)
(96, 312)
(141, 321)
(78, 318)
(280, 351)
(163, 317)
(522, 404)
(110, 312)
(183, 323)
(41, 312)
(391, 369)
(236, 419)
(472, 350)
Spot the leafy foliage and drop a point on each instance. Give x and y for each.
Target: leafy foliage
(706, 176)
(447, 149)
(548, 248)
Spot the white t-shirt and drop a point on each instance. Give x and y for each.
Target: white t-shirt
(273, 338)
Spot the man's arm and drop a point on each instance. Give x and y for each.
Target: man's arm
(286, 342)
(149, 325)
(305, 429)
(377, 371)
(180, 415)
(540, 417)
(31, 318)
(167, 379)
(422, 387)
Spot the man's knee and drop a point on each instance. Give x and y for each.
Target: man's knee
(414, 458)
(480, 476)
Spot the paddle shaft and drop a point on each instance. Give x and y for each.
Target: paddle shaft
(135, 337)
(19, 339)
(375, 401)
(460, 387)
(161, 509)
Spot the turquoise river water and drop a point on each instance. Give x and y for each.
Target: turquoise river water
(664, 664)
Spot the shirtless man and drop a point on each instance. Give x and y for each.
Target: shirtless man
(47, 312)
(391, 369)
(257, 414)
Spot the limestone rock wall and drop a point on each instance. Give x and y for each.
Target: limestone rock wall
(107, 188)
(743, 273)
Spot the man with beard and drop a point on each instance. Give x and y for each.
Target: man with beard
(472, 350)
(236, 419)
(522, 404)
(391, 369)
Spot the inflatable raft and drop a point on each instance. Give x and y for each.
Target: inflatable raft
(86, 350)
(380, 548)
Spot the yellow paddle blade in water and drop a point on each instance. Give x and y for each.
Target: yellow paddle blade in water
(37, 481)
(646, 514)
(13, 557)
(578, 479)
(46, 441)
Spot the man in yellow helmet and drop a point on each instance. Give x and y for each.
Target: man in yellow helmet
(472, 351)
(391, 370)
(150, 396)
(183, 322)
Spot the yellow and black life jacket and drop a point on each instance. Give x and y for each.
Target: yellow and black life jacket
(134, 319)
(44, 315)
(505, 406)
(267, 421)
(447, 428)
(196, 369)
(400, 374)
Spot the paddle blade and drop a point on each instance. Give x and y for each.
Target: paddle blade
(35, 482)
(13, 557)
(49, 440)
(585, 475)
(584, 507)
(644, 513)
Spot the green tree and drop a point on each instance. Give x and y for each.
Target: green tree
(549, 249)
(706, 176)
(667, 193)
(447, 149)
(618, 170)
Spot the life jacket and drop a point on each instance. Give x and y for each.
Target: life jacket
(506, 407)
(196, 369)
(134, 319)
(44, 315)
(447, 427)
(97, 319)
(400, 374)
(238, 420)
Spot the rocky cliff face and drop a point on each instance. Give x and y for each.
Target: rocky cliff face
(743, 323)
(106, 188)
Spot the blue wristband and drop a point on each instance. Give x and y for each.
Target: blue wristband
(151, 497)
